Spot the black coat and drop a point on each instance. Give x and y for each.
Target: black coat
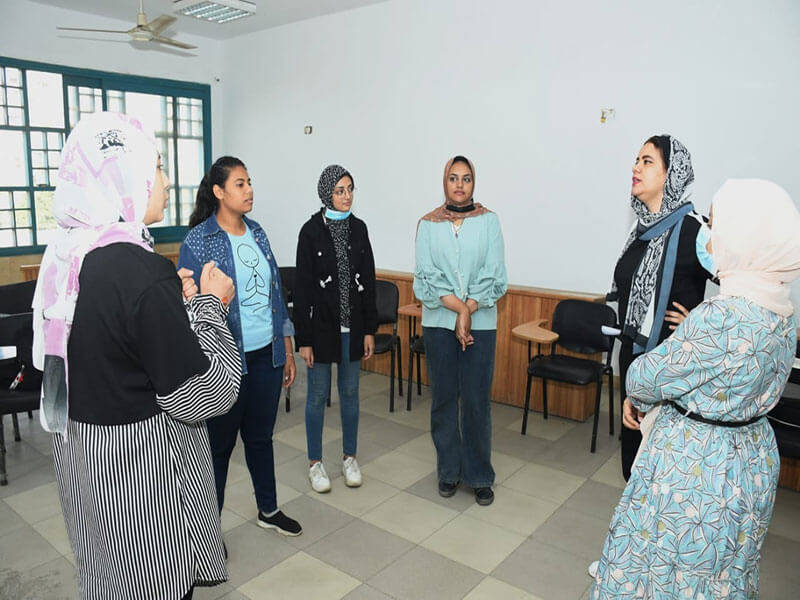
(316, 313)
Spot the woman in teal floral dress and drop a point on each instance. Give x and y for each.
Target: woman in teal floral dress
(696, 509)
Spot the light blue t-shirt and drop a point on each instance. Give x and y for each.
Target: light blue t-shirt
(253, 284)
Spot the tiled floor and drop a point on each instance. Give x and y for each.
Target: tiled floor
(394, 537)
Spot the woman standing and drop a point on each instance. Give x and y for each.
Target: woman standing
(260, 324)
(663, 264)
(334, 307)
(128, 382)
(460, 275)
(695, 512)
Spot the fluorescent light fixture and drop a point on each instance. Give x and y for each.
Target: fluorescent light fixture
(218, 11)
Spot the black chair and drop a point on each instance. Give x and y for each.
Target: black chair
(287, 287)
(578, 325)
(16, 331)
(15, 298)
(785, 416)
(416, 347)
(387, 299)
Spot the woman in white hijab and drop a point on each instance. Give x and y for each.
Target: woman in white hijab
(128, 381)
(696, 509)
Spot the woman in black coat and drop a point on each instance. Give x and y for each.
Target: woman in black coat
(335, 316)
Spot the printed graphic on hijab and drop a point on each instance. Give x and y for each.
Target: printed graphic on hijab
(256, 292)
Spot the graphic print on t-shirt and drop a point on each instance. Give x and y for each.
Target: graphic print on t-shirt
(256, 292)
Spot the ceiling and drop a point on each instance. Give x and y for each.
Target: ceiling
(270, 13)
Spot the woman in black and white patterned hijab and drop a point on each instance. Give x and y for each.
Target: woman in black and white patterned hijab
(335, 316)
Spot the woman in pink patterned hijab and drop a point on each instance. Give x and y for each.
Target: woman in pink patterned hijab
(109, 188)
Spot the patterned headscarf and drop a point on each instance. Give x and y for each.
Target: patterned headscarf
(640, 315)
(441, 213)
(107, 171)
(340, 234)
(757, 251)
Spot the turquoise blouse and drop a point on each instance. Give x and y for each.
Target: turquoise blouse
(468, 264)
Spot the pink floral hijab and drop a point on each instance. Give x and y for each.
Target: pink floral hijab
(107, 171)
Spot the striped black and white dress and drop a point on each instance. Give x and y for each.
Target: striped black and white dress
(134, 471)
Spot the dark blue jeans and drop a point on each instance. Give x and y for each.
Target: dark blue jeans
(463, 450)
(253, 415)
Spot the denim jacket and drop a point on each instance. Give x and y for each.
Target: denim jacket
(208, 241)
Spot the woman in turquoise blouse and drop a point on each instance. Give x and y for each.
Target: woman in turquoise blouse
(460, 275)
(696, 509)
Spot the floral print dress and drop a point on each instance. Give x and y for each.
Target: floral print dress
(696, 509)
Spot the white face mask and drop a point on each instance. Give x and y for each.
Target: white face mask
(705, 258)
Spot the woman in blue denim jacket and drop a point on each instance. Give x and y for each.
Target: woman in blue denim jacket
(259, 322)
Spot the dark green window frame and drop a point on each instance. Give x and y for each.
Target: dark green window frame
(107, 82)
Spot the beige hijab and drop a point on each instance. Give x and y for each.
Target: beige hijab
(441, 213)
(755, 239)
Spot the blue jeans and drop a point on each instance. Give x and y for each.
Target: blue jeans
(463, 453)
(253, 415)
(319, 388)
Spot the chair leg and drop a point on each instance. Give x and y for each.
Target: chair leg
(3, 476)
(15, 420)
(410, 387)
(419, 374)
(30, 414)
(611, 403)
(288, 399)
(391, 381)
(544, 397)
(399, 367)
(527, 406)
(596, 419)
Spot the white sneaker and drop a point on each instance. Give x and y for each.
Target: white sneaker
(319, 478)
(593, 569)
(351, 472)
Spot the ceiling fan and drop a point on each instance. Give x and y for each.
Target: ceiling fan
(144, 31)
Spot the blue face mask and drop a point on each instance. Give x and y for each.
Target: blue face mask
(705, 258)
(335, 215)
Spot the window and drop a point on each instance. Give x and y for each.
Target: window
(40, 104)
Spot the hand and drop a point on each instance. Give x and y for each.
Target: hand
(289, 371)
(463, 327)
(631, 416)
(215, 282)
(472, 305)
(369, 346)
(676, 316)
(307, 354)
(187, 283)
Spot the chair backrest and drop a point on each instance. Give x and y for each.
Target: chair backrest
(287, 286)
(387, 299)
(17, 330)
(16, 297)
(578, 325)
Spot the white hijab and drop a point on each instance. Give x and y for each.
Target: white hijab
(755, 239)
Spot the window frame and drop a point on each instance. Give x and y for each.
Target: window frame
(107, 81)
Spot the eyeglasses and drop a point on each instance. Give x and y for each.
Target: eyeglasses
(341, 191)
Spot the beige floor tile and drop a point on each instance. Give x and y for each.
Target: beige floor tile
(418, 417)
(512, 510)
(611, 472)
(55, 532)
(230, 520)
(550, 429)
(410, 516)
(300, 576)
(37, 504)
(241, 500)
(24, 549)
(473, 543)
(505, 466)
(356, 501)
(494, 589)
(398, 469)
(544, 482)
(236, 472)
(296, 436)
(420, 447)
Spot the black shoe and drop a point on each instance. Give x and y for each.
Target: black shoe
(281, 522)
(484, 496)
(447, 489)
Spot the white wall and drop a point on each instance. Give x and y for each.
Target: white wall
(28, 32)
(394, 89)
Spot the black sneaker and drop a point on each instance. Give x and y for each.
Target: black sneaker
(281, 522)
(447, 489)
(484, 496)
